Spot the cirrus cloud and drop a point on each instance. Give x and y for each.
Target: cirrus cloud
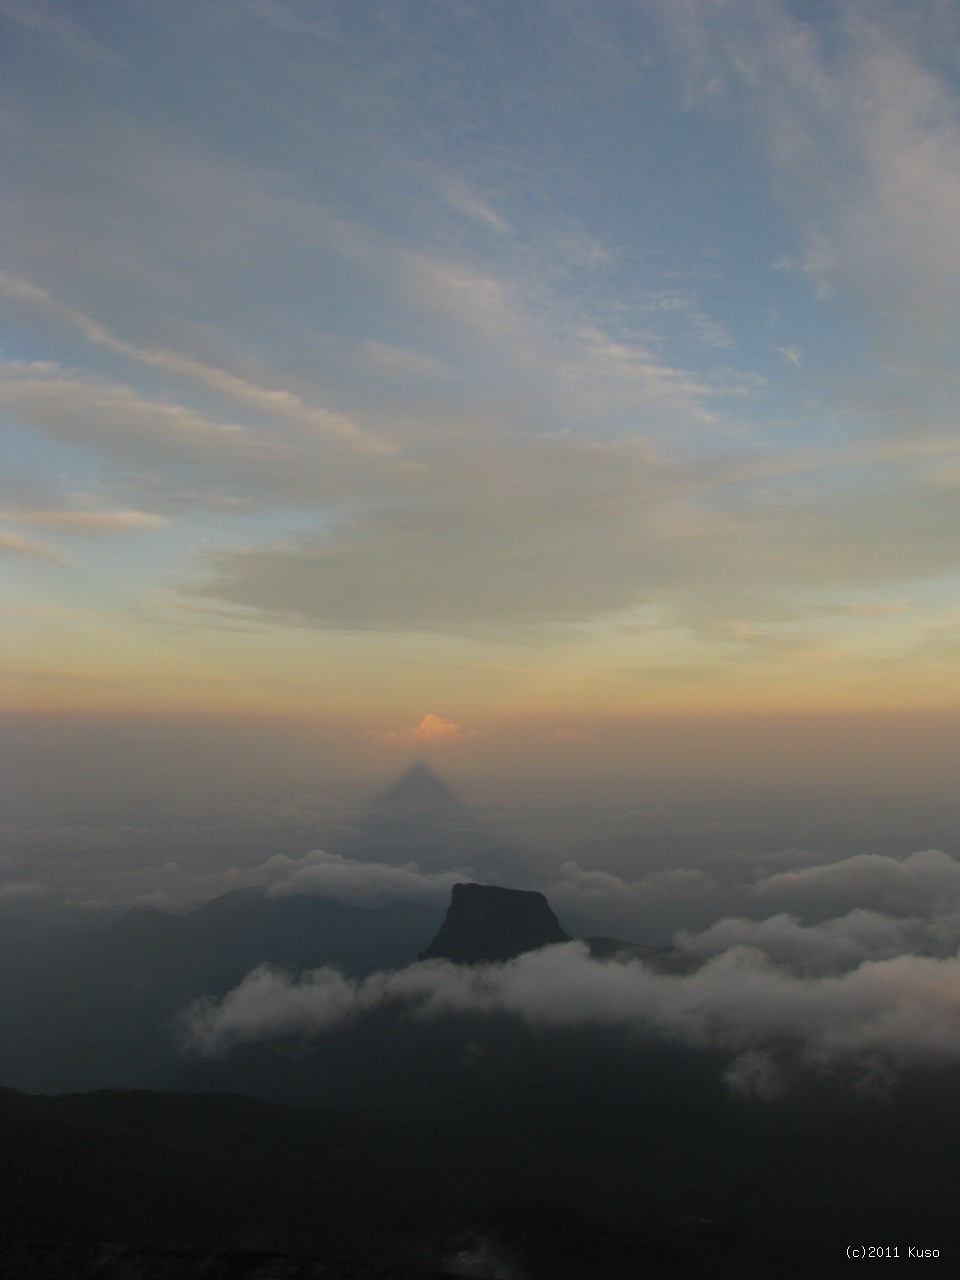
(11, 541)
(82, 520)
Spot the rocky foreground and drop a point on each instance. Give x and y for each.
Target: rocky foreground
(123, 1262)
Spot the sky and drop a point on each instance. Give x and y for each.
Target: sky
(522, 386)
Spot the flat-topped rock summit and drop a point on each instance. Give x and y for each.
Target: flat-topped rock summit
(486, 923)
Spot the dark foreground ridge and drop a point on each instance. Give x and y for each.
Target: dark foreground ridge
(127, 1262)
(485, 923)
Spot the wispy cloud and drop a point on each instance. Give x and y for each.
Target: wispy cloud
(461, 196)
(864, 138)
(82, 520)
(59, 26)
(557, 531)
(793, 355)
(273, 402)
(868, 609)
(582, 360)
(437, 372)
(383, 358)
(231, 462)
(16, 542)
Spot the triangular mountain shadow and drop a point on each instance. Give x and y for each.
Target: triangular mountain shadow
(420, 818)
(419, 785)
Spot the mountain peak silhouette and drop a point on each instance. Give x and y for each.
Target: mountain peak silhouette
(486, 922)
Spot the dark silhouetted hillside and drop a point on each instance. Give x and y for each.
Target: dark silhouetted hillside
(213, 1172)
(133, 1262)
(487, 923)
(733, 1189)
(93, 1009)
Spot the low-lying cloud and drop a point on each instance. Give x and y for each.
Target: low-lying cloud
(349, 880)
(173, 886)
(903, 1010)
(318, 874)
(874, 988)
(860, 907)
(895, 885)
(834, 946)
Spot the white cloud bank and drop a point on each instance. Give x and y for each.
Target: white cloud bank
(903, 1010)
(176, 886)
(833, 947)
(923, 881)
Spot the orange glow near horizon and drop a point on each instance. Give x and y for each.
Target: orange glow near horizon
(103, 672)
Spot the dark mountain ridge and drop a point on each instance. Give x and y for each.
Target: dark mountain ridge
(33, 1261)
(214, 1171)
(703, 1185)
(96, 1009)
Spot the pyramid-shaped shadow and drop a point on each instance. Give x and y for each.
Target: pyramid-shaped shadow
(420, 818)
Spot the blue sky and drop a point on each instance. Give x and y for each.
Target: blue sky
(583, 357)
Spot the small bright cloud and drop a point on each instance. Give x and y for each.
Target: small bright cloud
(431, 729)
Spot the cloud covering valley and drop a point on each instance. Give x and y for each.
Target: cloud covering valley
(861, 990)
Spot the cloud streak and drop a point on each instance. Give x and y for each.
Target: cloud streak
(24, 546)
(82, 520)
(186, 458)
(574, 530)
(274, 402)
